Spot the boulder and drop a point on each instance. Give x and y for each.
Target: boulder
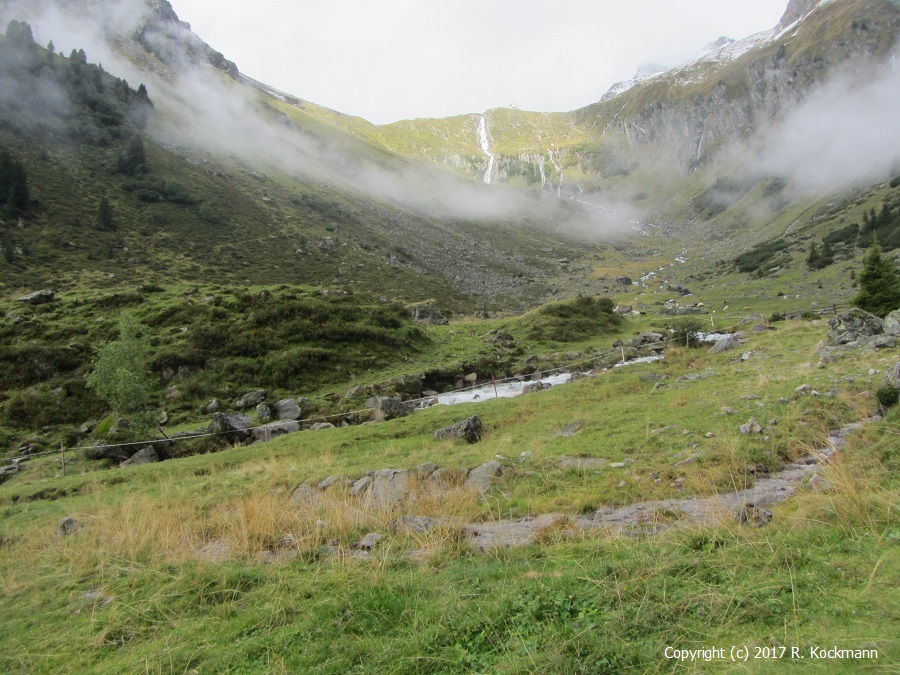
(319, 426)
(388, 408)
(411, 385)
(469, 429)
(891, 323)
(480, 478)
(426, 314)
(212, 406)
(67, 526)
(892, 379)
(424, 471)
(234, 426)
(100, 450)
(37, 297)
(263, 412)
(270, 431)
(368, 542)
(146, 455)
(389, 487)
(251, 399)
(725, 344)
(535, 386)
(291, 408)
(623, 309)
(852, 326)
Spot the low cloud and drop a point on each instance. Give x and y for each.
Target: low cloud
(844, 134)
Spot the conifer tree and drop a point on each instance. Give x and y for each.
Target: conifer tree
(879, 284)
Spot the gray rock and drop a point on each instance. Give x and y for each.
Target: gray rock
(360, 486)
(425, 470)
(852, 326)
(725, 344)
(751, 427)
(469, 430)
(234, 427)
(101, 450)
(319, 426)
(583, 463)
(263, 412)
(212, 406)
(448, 478)
(304, 494)
(251, 399)
(67, 526)
(369, 542)
(389, 487)
(481, 477)
(891, 323)
(146, 455)
(37, 297)
(623, 309)
(803, 390)
(571, 429)
(274, 430)
(291, 408)
(426, 314)
(331, 481)
(892, 378)
(471, 378)
(385, 408)
(410, 385)
(416, 524)
(535, 387)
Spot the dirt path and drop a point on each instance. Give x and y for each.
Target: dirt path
(747, 505)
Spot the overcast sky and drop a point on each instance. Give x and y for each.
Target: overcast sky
(386, 60)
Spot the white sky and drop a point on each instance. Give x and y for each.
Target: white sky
(386, 60)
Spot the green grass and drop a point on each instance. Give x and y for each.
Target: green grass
(131, 591)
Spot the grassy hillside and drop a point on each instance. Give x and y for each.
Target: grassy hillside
(207, 563)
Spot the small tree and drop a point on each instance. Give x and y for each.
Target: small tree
(120, 376)
(879, 284)
(105, 215)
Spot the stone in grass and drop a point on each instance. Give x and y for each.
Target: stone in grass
(389, 486)
(331, 481)
(480, 478)
(251, 399)
(755, 515)
(67, 526)
(425, 470)
(751, 427)
(146, 455)
(360, 486)
(470, 430)
(416, 524)
(368, 542)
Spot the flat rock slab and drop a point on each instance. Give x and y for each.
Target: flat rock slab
(508, 533)
(583, 463)
(416, 524)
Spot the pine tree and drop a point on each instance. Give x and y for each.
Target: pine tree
(879, 284)
(105, 215)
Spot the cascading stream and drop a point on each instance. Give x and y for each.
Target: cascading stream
(485, 144)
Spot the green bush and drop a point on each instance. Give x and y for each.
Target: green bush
(888, 395)
(573, 320)
(686, 331)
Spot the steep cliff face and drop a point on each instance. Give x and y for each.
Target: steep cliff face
(692, 112)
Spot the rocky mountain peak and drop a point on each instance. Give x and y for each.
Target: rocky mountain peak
(797, 9)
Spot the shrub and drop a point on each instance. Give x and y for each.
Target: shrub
(687, 330)
(888, 395)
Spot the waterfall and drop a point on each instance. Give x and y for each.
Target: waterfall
(485, 144)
